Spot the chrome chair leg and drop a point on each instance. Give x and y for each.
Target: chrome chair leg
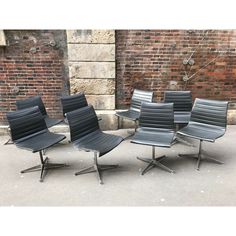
(43, 167)
(201, 157)
(96, 168)
(154, 162)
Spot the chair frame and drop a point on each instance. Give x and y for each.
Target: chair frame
(44, 166)
(44, 162)
(201, 155)
(98, 168)
(154, 161)
(120, 118)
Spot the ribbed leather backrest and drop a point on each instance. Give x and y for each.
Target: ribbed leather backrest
(157, 115)
(82, 122)
(210, 112)
(25, 122)
(138, 97)
(73, 102)
(31, 102)
(182, 100)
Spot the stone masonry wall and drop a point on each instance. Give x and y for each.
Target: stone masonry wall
(33, 62)
(91, 55)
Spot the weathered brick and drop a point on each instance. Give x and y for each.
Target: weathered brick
(34, 74)
(153, 60)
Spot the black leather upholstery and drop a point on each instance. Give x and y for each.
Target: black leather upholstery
(82, 122)
(156, 124)
(208, 120)
(129, 114)
(37, 101)
(138, 97)
(31, 102)
(73, 102)
(29, 131)
(153, 137)
(86, 134)
(182, 104)
(40, 141)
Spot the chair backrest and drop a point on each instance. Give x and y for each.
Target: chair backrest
(82, 122)
(157, 115)
(26, 122)
(31, 102)
(182, 100)
(210, 112)
(138, 97)
(73, 102)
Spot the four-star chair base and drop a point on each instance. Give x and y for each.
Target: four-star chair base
(199, 156)
(96, 168)
(43, 167)
(154, 162)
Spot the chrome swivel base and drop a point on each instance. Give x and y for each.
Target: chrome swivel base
(43, 167)
(96, 168)
(154, 162)
(199, 156)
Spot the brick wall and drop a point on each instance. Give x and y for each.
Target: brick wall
(34, 62)
(153, 60)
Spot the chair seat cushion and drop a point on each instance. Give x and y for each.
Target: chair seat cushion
(181, 117)
(98, 141)
(51, 121)
(154, 137)
(202, 131)
(40, 141)
(129, 114)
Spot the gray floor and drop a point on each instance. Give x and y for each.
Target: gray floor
(213, 185)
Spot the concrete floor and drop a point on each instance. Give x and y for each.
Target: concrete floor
(213, 185)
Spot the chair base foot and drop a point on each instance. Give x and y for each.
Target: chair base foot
(9, 141)
(199, 158)
(43, 168)
(98, 169)
(156, 162)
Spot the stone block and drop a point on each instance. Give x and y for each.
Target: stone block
(109, 120)
(91, 52)
(91, 36)
(102, 102)
(2, 38)
(92, 70)
(93, 86)
(231, 117)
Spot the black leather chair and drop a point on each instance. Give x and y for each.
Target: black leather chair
(156, 129)
(73, 102)
(182, 105)
(86, 135)
(37, 101)
(29, 131)
(133, 112)
(207, 123)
